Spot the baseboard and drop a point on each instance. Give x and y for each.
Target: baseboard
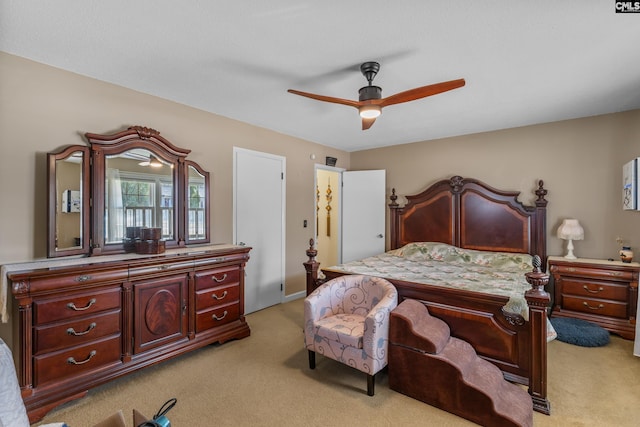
(293, 297)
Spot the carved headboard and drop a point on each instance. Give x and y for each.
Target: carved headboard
(470, 214)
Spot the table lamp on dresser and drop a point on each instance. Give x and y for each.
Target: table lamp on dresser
(570, 230)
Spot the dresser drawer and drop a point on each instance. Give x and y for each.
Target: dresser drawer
(78, 331)
(601, 273)
(76, 305)
(217, 316)
(595, 306)
(147, 269)
(87, 277)
(76, 361)
(220, 276)
(594, 289)
(217, 296)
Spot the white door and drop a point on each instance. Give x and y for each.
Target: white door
(363, 214)
(259, 219)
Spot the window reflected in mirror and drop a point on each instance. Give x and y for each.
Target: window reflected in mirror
(196, 212)
(139, 192)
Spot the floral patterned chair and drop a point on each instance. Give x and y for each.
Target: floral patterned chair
(347, 320)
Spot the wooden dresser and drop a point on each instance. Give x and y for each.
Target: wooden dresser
(599, 291)
(84, 322)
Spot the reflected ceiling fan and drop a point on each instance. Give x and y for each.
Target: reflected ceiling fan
(371, 102)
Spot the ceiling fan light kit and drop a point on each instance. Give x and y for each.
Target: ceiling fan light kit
(369, 111)
(370, 101)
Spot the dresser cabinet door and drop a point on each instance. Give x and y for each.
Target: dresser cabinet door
(160, 312)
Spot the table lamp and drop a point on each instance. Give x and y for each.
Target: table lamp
(570, 230)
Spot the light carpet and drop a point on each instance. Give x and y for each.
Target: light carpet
(265, 380)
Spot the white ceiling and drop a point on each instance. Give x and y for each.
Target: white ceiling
(524, 62)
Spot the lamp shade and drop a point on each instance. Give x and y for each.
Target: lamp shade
(570, 229)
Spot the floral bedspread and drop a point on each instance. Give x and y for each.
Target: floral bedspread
(495, 273)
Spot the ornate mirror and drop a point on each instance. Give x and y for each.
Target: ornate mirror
(197, 194)
(68, 183)
(138, 180)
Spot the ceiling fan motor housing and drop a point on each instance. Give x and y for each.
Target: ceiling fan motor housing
(370, 92)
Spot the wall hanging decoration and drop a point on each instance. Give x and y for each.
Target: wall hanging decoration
(630, 185)
(329, 197)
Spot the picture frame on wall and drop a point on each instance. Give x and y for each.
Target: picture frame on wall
(630, 185)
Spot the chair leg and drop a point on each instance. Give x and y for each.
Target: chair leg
(371, 384)
(312, 359)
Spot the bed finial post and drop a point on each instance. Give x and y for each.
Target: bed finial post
(541, 225)
(538, 300)
(541, 192)
(311, 266)
(393, 198)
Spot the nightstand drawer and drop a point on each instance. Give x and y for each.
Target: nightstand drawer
(594, 289)
(595, 306)
(595, 273)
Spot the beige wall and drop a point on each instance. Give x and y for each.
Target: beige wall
(43, 109)
(579, 160)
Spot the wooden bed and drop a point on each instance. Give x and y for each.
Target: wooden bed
(469, 214)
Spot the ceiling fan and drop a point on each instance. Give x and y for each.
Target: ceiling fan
(371, 102)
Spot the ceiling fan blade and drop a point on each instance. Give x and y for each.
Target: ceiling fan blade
(326, 98)
(421, 92)
(367, 123)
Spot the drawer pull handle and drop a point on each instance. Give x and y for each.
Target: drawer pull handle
(163, 267)
(214, 296)
(220, 318)
(83, 278)
(616, 273)
(72, 361)
(224, 277)
(72, 331)
(593, 308)
(586, 288)
(72, 306)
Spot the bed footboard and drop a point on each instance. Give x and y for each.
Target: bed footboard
(516, 346)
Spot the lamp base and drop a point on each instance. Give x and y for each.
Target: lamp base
(570, 254)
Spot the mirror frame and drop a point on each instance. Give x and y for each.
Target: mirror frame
(52, 202)
(205, 174)
(93, 188)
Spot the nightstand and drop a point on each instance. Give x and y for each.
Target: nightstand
(599, 291)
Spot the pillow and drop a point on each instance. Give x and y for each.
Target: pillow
(435, 251)
(425, 251)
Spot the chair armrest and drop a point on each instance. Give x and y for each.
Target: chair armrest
(376, 327)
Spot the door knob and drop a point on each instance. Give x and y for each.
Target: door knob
(379, 236)
(242, 244)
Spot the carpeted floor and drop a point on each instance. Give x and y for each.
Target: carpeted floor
(264, 380)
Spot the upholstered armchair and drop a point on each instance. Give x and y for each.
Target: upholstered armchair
(347, 320)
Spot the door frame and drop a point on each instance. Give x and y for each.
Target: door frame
(283, 208)
(339, 171)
